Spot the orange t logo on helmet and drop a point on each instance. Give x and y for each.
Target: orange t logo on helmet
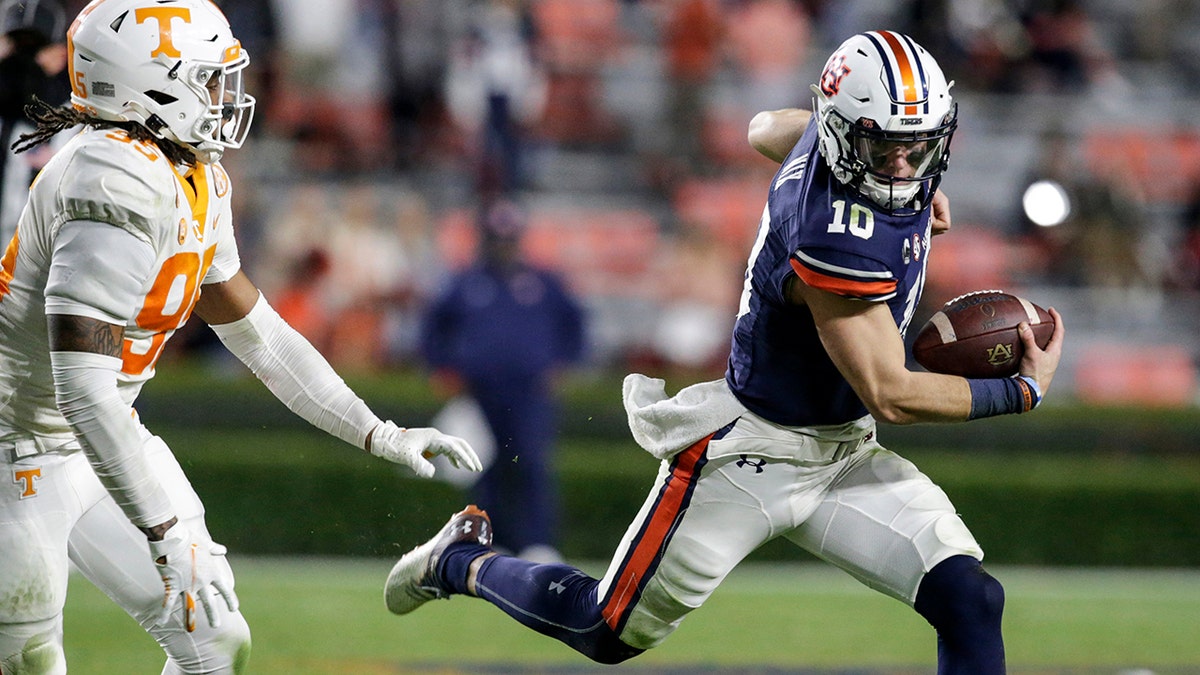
(163, 15)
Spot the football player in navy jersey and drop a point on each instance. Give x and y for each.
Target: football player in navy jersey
(785, 445)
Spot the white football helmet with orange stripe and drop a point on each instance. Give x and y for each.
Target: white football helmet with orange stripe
(172, 66)
(885, 117)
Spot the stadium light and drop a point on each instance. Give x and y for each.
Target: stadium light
(1046, 203)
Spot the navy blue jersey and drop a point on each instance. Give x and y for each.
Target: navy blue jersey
(816, 228)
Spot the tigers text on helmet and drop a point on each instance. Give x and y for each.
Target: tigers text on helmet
(172, 66)
(885, 118)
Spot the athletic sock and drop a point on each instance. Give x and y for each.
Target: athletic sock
(454, 564)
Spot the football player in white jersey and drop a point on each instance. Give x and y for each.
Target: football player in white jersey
(127, 231)
(786, 444)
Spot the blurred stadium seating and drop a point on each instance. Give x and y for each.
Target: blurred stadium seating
(611, 198)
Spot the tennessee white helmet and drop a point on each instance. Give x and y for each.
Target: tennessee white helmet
(172, 66)
(885, 117)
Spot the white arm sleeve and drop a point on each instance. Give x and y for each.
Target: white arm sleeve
(96, 271)
(297, 373)
(85, 385)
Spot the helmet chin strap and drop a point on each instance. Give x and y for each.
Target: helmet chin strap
(155, 124)
(136, 112)
(207, 153)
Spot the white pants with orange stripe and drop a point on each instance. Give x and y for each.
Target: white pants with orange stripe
(54, 512)
(833, 491)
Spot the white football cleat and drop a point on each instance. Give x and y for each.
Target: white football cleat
(413, 580)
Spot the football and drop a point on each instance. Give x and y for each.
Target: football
(975, 335)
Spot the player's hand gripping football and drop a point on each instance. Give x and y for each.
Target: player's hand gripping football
(414, 447)
(191, 567)
(1038, 363)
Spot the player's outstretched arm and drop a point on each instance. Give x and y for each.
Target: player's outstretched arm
(305, 382)
(773, 133)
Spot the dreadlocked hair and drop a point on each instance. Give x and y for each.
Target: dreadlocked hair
(52, 119)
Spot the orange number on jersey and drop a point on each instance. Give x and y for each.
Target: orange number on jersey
(168, 306)
(8, 265)
(147, 151)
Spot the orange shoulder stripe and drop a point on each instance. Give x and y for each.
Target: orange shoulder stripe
(842, 286)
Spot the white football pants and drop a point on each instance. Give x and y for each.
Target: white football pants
(53, 510)
(834, 492)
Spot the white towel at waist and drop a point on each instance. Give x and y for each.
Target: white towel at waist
(665, 425)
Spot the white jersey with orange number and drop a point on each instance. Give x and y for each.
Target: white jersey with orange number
(103, 175)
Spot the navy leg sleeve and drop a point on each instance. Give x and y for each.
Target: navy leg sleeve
(964, 603)
(555, 600)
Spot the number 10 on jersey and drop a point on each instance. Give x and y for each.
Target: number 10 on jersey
(862, 220)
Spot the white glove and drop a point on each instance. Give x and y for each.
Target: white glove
(188, 566)
(414, 447)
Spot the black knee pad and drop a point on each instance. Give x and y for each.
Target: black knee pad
(603, 646)
(959, 589)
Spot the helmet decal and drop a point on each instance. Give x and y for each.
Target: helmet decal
(163, 15)
(906, 86)
(835, 70)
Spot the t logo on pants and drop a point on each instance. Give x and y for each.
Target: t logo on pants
(27, 478)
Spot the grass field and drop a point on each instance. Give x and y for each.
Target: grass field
(320, 616)
(326, 617)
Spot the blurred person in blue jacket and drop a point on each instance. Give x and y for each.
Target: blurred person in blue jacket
(498, 333)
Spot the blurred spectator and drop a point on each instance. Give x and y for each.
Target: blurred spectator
(836, 20)
(498, 333)
(331, 101)
(1089, 224)
(300, 300)
(769, 41)
(257, 27)
(1066, 54)
(983, 40)
(416, 61)
(410, 250)
(367, 272)
(1016, 47)
(1184, 272)
(692, 40)
(698, 301)
(495, 88)
(33, 62)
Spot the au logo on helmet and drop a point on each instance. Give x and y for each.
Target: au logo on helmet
(835, 70)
